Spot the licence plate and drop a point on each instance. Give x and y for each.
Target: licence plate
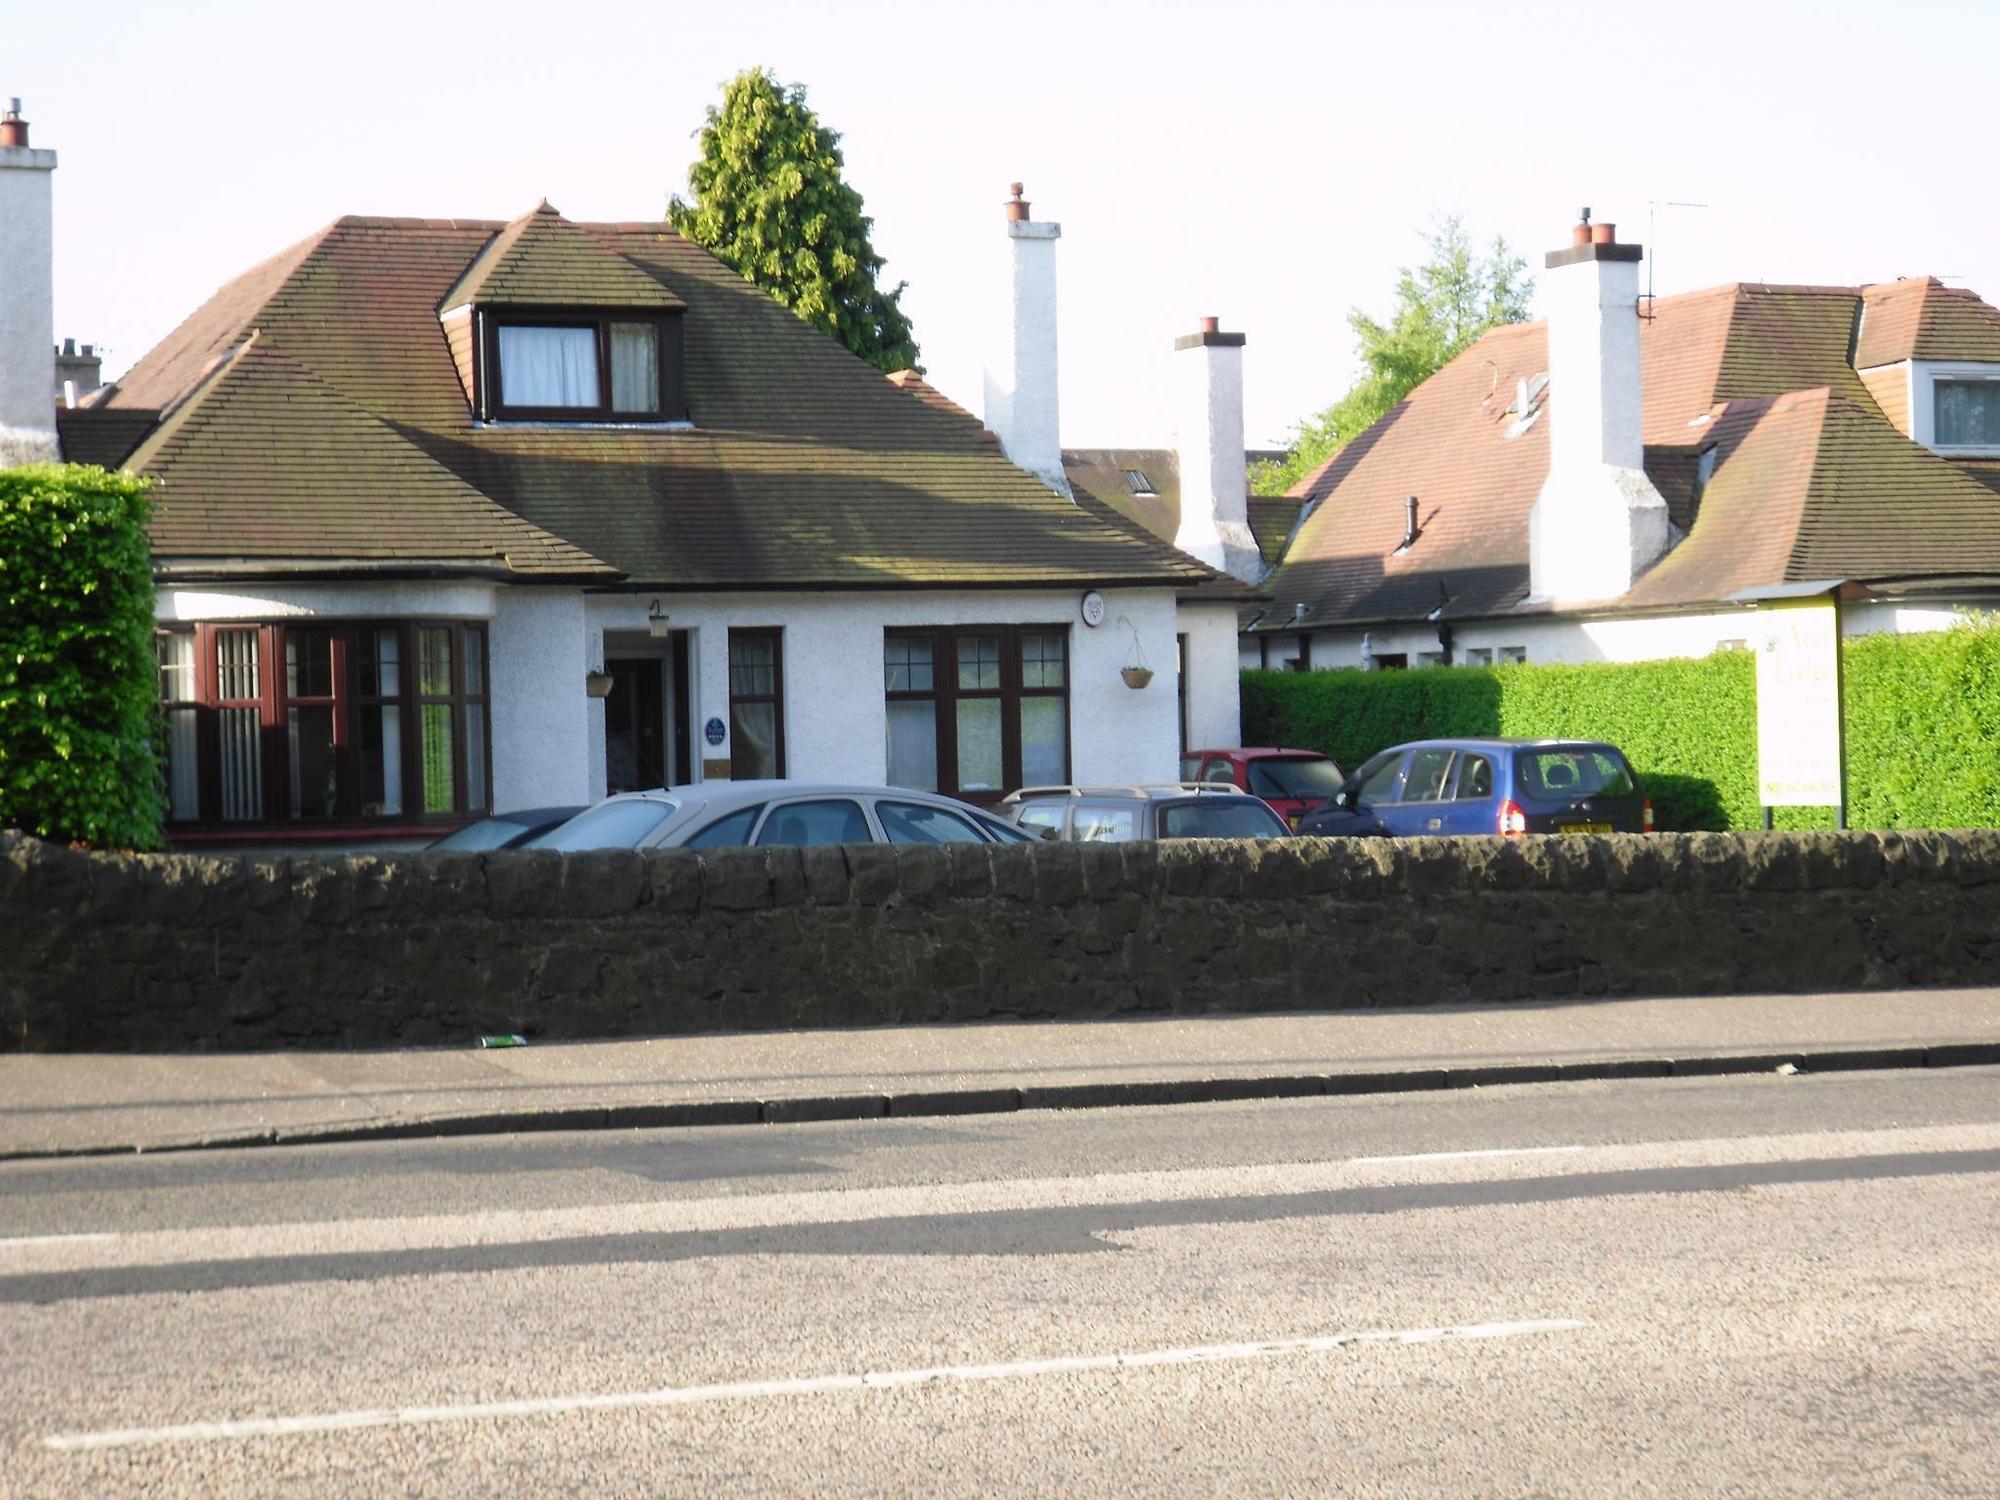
(1585, 828)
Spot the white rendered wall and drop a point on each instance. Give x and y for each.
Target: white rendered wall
(836, 721)
(337, 601)
(1626, 639)
(1214, 523)
(548, 735)
(1598, 522)
(1215, 699)
(1022, 403)
(27, 306)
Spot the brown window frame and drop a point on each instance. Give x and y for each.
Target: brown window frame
(273, 702)
(776, 697)
(946, 694)
(669, 333)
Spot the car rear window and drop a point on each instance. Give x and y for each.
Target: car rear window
(1294, 776)
(914, 823)
(609, 825)
(1595, 771)
(1224, 818)
(726, 832)
(487, 833)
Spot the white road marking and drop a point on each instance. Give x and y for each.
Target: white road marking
(546, 1406)
(1386, 1161)
(55, 1239)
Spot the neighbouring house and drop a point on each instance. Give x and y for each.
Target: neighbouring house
(455, 515)
(1623, 481)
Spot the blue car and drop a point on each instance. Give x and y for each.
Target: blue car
(1504, 787)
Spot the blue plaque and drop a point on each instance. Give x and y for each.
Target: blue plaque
(713, 731)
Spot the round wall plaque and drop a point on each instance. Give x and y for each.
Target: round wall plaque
(1093, 609)
(712, 731)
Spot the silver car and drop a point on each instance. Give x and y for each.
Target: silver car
(718, 814)
(1120, 814)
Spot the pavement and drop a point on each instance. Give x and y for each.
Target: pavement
(81, 1104)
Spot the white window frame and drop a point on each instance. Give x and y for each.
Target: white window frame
(1924, 376)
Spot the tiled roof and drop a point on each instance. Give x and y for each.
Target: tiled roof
(105, 437)
(804, 467)
(1100, 472)
(1920, 317)
(543, 260)
(1272, 518)
(1808, 480)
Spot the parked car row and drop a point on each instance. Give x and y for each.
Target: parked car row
(1431, 787)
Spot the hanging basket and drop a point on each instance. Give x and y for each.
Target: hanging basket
(1136, 677)
(597, 684)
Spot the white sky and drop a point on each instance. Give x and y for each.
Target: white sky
(1269, 163)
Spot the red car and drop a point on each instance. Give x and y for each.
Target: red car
(1293, 782)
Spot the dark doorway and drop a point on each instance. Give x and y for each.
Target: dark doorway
(635, 726)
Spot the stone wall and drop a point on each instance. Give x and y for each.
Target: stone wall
(195, 952)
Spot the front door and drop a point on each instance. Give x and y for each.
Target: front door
(635, 726)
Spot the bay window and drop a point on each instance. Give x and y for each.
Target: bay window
(272, 726)
(977, 710)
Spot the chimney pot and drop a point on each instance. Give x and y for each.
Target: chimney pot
(1017, 206)
(13, 129)
(1211, 325)
(1604, 234)
(69, 347)
(1580, 235)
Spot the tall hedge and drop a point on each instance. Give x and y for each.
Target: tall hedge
(79, 717)
(1922, 712)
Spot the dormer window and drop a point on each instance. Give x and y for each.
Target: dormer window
(1968, 413)
(592, 367)
(1955, 407)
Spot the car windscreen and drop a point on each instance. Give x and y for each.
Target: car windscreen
(1222, 818)
(1576, 771)
(1295, 776)
(609, 825)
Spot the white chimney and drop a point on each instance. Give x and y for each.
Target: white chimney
(1215, 524)
(1021, 400)
(27, 296)
(1598, 523)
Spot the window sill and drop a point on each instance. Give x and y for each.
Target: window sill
(316, 833)
(1966, 450)
(585, 424)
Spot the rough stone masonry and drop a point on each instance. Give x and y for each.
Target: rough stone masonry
(194, 952)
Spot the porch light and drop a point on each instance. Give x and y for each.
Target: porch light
(657, 622)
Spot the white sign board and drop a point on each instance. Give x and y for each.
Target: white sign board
(1798, 704)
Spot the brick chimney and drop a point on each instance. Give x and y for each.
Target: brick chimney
(1022, 406)
(1215, 525)
(1598, 523)
(27, 296)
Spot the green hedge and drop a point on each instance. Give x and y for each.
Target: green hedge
(79, 717)
(1923, 725)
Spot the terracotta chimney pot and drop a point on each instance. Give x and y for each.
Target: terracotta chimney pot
(1211, 325)
(13, 129)
(1017, 206)
(1604, 234)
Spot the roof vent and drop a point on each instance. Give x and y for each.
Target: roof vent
(1411, 530)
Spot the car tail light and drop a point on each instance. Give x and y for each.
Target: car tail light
(1512, 820)
(1646, 816)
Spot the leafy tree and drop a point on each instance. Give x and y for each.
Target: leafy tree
(769, 200)
(1441, 307)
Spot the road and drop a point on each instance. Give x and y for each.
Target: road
(1773, 1285)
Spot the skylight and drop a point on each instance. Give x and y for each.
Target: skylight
(1140, 484)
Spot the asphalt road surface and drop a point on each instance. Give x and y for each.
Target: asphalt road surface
(1774, 1285)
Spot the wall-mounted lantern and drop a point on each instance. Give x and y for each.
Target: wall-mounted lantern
(657, 622)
